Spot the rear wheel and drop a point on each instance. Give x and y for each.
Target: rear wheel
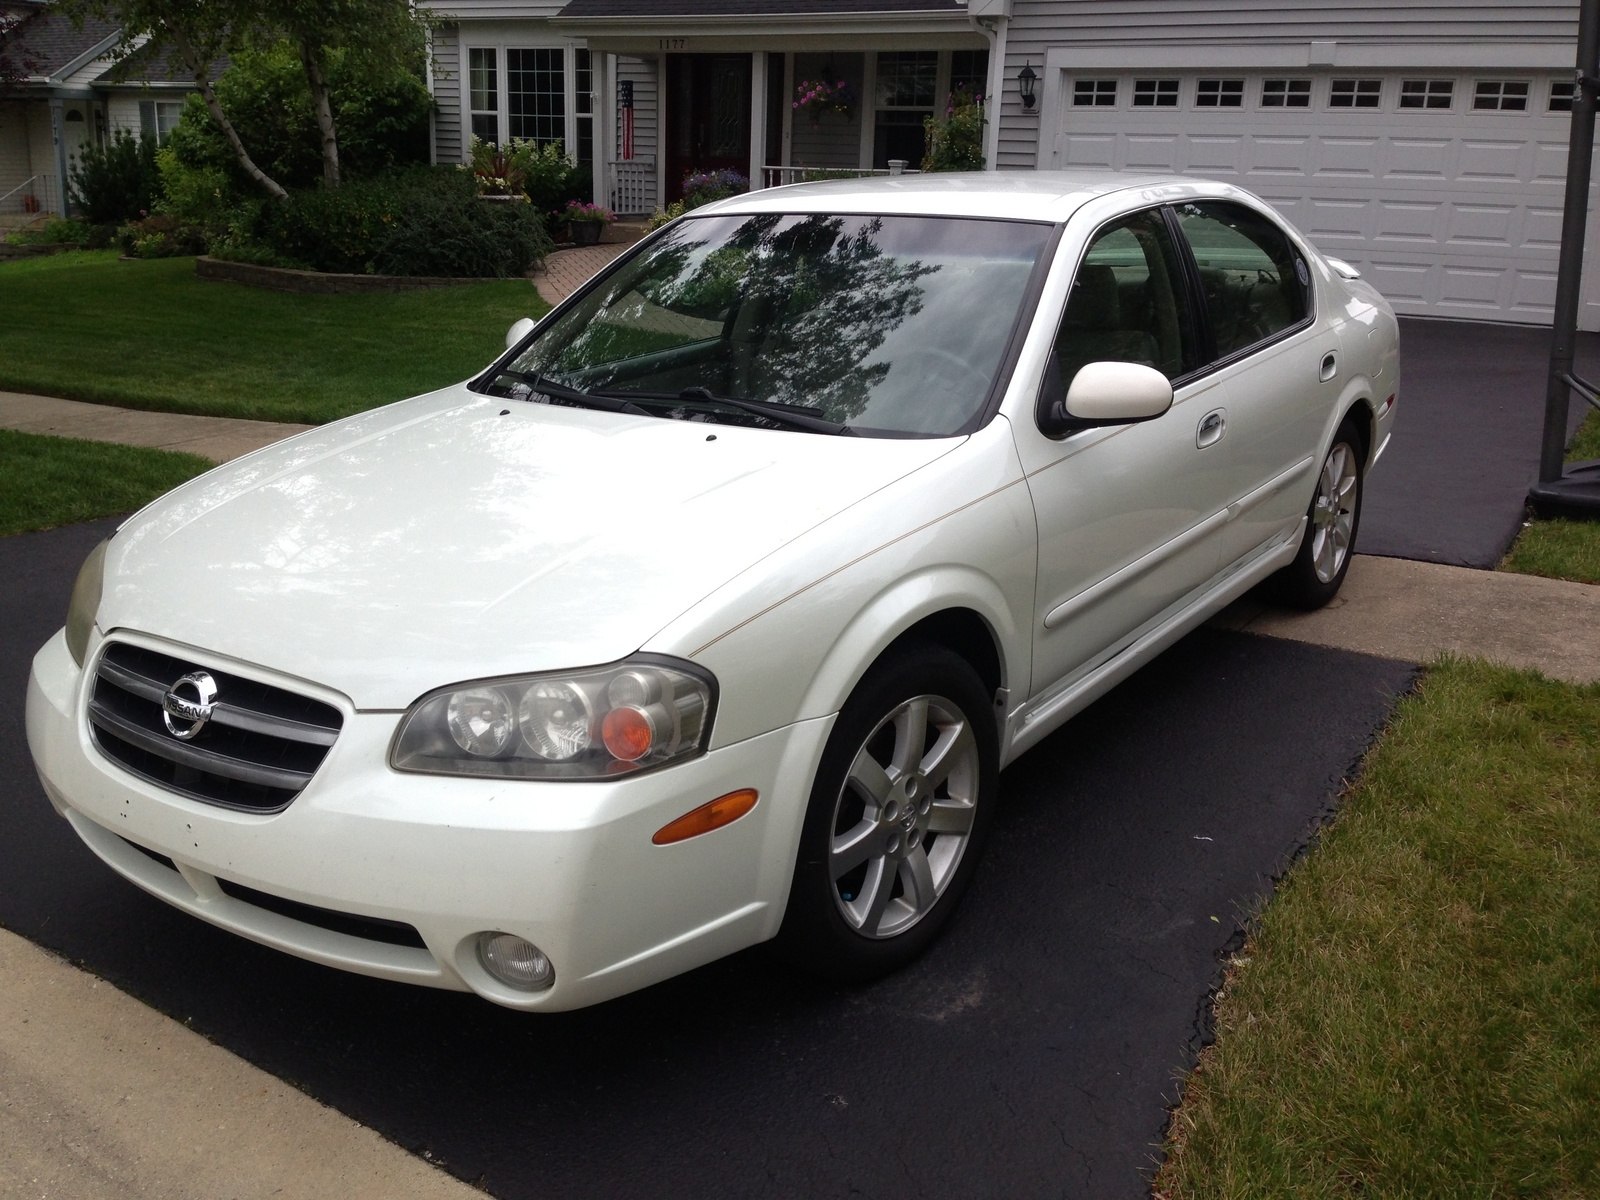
(1333, 520)
(898, 814)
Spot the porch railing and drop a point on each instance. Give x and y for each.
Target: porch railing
(39, 194)
(778, 176)
(633, 186)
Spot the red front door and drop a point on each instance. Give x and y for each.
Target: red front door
(707, 116)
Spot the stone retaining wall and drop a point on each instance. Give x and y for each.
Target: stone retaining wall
(279, 279)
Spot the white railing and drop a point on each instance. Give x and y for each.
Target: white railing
(40, 194)
(633, 186)
(778, 176)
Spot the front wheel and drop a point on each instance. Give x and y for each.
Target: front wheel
(1318, 570)
(897, 818)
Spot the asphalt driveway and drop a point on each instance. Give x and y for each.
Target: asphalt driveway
(1032, 1052)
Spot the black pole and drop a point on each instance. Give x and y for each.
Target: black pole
(1574, 218)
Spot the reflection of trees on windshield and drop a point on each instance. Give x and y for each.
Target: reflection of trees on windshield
(823, 297)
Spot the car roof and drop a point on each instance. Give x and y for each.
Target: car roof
(1014, 195)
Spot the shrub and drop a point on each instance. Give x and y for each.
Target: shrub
(551, 179)
(661, 216)
(956, 142)
(116, 181)
(58, 231)
(424, 222)
(702, 187)
(161, 236)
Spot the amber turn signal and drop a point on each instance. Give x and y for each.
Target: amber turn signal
(724, 810)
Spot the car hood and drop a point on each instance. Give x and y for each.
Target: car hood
(456, 536)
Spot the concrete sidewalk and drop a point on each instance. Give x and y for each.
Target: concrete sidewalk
(216, 438)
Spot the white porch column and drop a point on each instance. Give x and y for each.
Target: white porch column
(991, 99)
(58, 136)
(758, 119)
(605, 117)
(869, 103)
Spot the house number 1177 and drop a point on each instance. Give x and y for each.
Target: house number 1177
(674, 43)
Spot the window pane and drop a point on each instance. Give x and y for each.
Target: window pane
(1155, 93)
(483, 87)
(1561, 96)
(1503, 95)
(583, 80)
(969, 71)
(1219, 93)
(907, 78)
(1254, 282)
(536, 96)
(1286, 93)
(1426, 93)
(1128, 304)
(486, 127)
(1097, 93)
(1355, 93)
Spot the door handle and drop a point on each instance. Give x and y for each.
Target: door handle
(1330, 366)
(1211, 428)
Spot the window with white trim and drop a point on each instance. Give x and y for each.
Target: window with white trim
(1155, 93)
(158, 118)
(969, 72)
(1219, 93)
(1094, 93)
(1427, 93)
(483, 94)
(1501, 95)
(536, 96)
(1286, 93)
(1561, 94)
(1355, 93)
(583, 103)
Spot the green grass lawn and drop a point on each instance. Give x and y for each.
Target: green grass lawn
(148, 334)
(50, 481)
(1558, 547)
(1415, 1013)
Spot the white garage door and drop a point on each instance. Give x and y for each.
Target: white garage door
(1443, 188)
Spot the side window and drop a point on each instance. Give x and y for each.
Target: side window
(1127, 304)
(1255, 284)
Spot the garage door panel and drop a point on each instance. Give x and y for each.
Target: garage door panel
(1346, 158)
(1534, 295)
(1145, 152)
(1219, 156)
(1541, 228)
(1483, 225)
(1416, 221)
(1417, 159)
(1493, 161)
(1401, 283)
(1475, 288)
(1087, 150)
(1277, 157)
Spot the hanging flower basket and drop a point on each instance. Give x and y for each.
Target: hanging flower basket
(813, 98)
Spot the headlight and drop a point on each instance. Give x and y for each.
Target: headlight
(86, 602)
(634, 715)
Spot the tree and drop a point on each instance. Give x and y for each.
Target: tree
(201, 32)
(380, 35)
(15, 65)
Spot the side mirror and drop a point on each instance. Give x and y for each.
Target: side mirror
(1102, 393)
(519, 330)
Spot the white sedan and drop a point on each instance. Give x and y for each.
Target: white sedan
(710, 612)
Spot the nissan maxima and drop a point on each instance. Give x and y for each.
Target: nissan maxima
(709, 613)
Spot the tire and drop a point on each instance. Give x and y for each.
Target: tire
(1333, 520)
(886, 854)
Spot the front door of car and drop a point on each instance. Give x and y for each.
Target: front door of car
(1126, 513)
(1278, 366)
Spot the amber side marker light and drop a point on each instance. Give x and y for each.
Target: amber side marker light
(724, 810)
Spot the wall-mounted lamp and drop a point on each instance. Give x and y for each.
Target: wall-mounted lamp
(1025, 81)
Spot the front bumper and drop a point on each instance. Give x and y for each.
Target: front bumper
(569, 866)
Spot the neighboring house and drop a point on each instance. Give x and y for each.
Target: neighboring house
(1424, 143)
(74, 93)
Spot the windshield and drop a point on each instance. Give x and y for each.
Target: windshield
(884, 324)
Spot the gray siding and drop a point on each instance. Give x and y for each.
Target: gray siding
(449, 145)
(1038, 25)
(836, 142)
(646, 108)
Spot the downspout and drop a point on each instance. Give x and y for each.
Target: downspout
(58, 135)
(993, 28)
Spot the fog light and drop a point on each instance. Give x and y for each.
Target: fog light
(515, 962)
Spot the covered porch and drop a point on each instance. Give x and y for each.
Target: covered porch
(687, 94)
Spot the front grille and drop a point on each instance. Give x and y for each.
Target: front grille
(259, 748)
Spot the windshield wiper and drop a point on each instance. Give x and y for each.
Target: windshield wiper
(572, 395)
(784, 414)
